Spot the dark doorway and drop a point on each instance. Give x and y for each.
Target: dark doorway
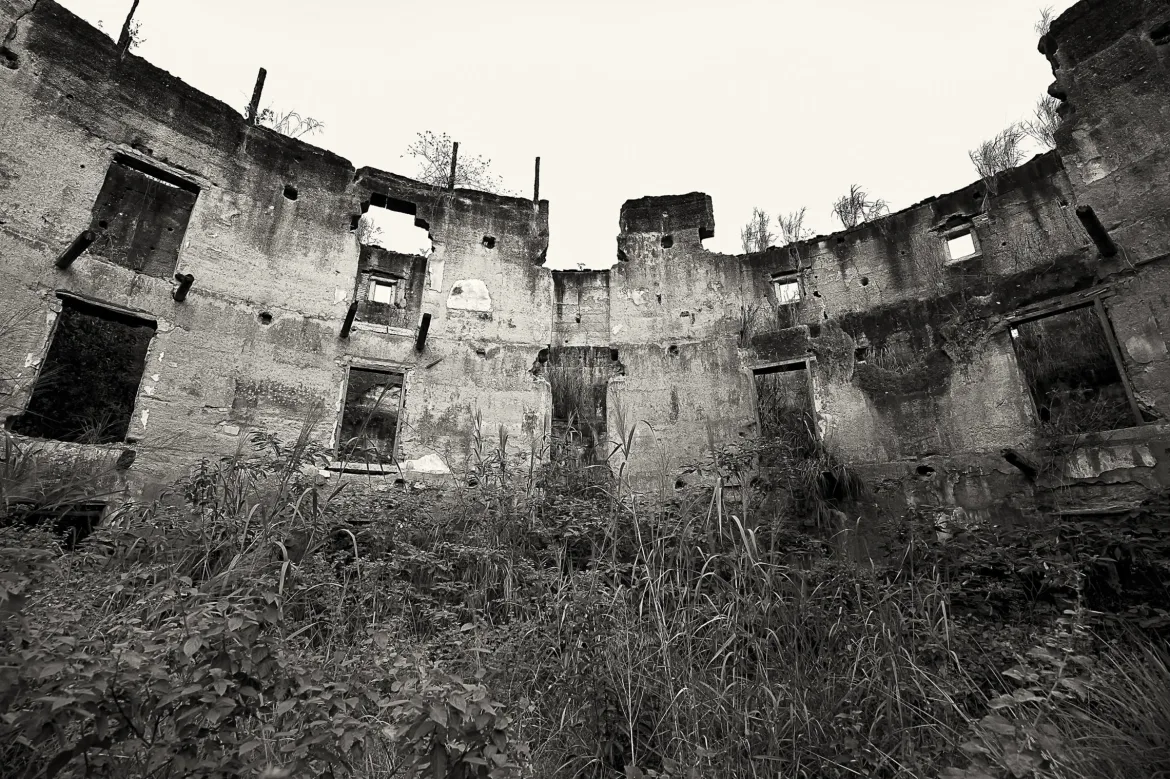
(89, 380)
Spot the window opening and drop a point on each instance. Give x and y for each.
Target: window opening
(961, 245)
(383, 291)
(1072, 372)
(141, 216)
(369, 419)
(786, 287)
(393, 225)
(89, 380)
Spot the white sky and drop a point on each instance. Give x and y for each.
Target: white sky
(775, 103)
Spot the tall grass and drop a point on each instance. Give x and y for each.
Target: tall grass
(575, 634)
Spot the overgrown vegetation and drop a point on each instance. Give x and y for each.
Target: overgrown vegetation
(257, 620)
(432, 153)
(857, 207)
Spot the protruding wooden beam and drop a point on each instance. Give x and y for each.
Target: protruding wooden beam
(536, 183)
(454, 161)
(1096, 231)
(254, 105)
(347, 325)
(125, 40)
(74, 250)
(420, 342)
(185, 281)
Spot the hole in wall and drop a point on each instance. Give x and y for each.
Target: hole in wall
(103, 224)
(841, 239)
(865, 281)
(816, 294)
(613, 354)
(290, 192)
(482, 352)
(825, 315)
(673, 350)
(860, 353)
(489, 242)
(8, 58)
(542, 356)
(354, 221)
(924, 470)
(679, 484)
(814, 331)
(1160, 35)
(667, 241)
(394, 224)
(265, 318)
(659, 299)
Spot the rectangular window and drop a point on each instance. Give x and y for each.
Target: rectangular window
(786, 287)
(384, 291)
(961, 245)
(141, 216)
(88, 383)
(784, 405)
(369, 419)
(1073, 373)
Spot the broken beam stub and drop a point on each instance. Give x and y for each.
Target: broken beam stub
(454, 161)
(185, 281)
(347, 325)
(257, 91)
(74, 250)
(1096, 231)
(421, 341)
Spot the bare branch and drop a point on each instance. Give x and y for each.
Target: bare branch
(792, 227)
(433, 152)
(289, 123)
(856, 208)
(1001, 153)
(756, 235)
(1045, 119)
(1044, 23)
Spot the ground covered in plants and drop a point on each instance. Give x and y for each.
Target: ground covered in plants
(258, 621)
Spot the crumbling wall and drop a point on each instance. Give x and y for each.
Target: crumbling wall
(581, 308)
(272, 247)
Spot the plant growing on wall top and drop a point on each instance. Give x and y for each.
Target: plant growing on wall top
(288, 123)
(994, 156)
(433, 151)
(756, 235)
(857, 208)
(1041, 128)
(792, 229)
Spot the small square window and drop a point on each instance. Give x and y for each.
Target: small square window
(383, 291)
(786, 286)
(961, 245)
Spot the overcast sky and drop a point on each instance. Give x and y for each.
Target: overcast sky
(775, 103)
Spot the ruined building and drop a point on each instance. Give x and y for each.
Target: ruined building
(172, 277)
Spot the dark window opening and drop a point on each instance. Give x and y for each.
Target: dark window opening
(784, 405)
(86, 389)
(369, 421)
(667, 241)
(290, 192)
(489, 242)
(1074, 379)
(141, 215)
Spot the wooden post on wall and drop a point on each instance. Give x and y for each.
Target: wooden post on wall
(254, 105)
(536, 183)
(454, 161)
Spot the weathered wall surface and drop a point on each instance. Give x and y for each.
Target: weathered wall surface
(256, 342)
(913, 347)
